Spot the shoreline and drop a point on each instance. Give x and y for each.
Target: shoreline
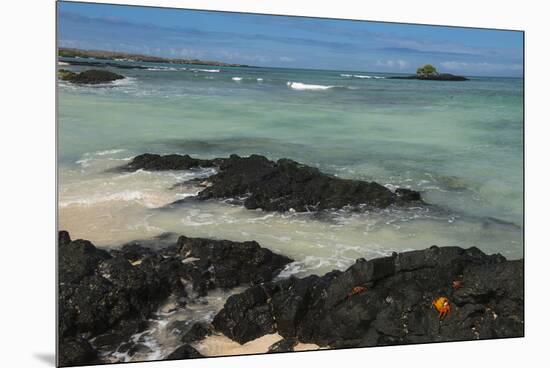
(129, 57)
(178, 297)
(270, 315)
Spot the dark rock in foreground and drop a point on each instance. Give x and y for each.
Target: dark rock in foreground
(227, 264)
(92, 76)
(434, 77)
(393, 305)
(197, 332)
(278, 186)
(283, 346)
(108, 296)
(184, 352)
(76, 351)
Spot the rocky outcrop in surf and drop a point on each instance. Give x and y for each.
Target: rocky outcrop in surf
(278, 186)
(434, 77)
(105, 297)
(386, 301)
(92, 76)
(154, 162)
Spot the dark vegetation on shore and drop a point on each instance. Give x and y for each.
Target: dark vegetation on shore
(104, 64)
(123, 56)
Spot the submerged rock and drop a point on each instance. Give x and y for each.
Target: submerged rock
(92, 76)
(284, 185)
(393, 305)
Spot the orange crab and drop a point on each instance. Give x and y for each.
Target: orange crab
(443, 306)
(357, 290)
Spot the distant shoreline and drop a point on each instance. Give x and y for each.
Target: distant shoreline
(122, 56)
(128, 57)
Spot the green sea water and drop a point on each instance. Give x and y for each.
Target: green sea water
(459, 143)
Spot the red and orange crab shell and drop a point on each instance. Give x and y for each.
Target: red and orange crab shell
(357, 290)
(443, 306)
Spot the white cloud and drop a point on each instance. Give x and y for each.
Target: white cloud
(393, 64)
(479, 67)
(186, 53)
(241, 57)
(286, 59)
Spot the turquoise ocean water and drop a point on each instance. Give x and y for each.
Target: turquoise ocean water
(459, 143)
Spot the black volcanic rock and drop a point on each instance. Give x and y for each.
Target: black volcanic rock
(226, 264)
(76, 351)
(154, 162)
(246, 316)
(109, 296)
(184, 352)
(278, 186)
(434, 77)
(395, 307)
(198, 331)
(283, 346)
(286, 185)
(97, 291)
(77, 259)
(92, 76)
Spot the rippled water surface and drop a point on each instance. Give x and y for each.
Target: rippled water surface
(459, 143)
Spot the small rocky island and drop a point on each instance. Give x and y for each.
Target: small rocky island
(429, 72)
(92, 76)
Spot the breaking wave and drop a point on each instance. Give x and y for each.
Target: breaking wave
(303, 87)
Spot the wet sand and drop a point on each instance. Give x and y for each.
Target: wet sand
(221, 345)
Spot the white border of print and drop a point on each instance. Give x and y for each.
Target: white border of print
(28, 181)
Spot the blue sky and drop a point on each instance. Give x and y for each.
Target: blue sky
(290, 42)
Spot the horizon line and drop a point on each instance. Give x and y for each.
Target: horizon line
(237, 65)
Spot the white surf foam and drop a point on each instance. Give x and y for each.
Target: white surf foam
(237, 79)
(109, 152)
(164, 69)
(205, 70)
(304, 87)
(360, 76)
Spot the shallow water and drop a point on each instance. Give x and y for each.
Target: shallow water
(460, 144)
